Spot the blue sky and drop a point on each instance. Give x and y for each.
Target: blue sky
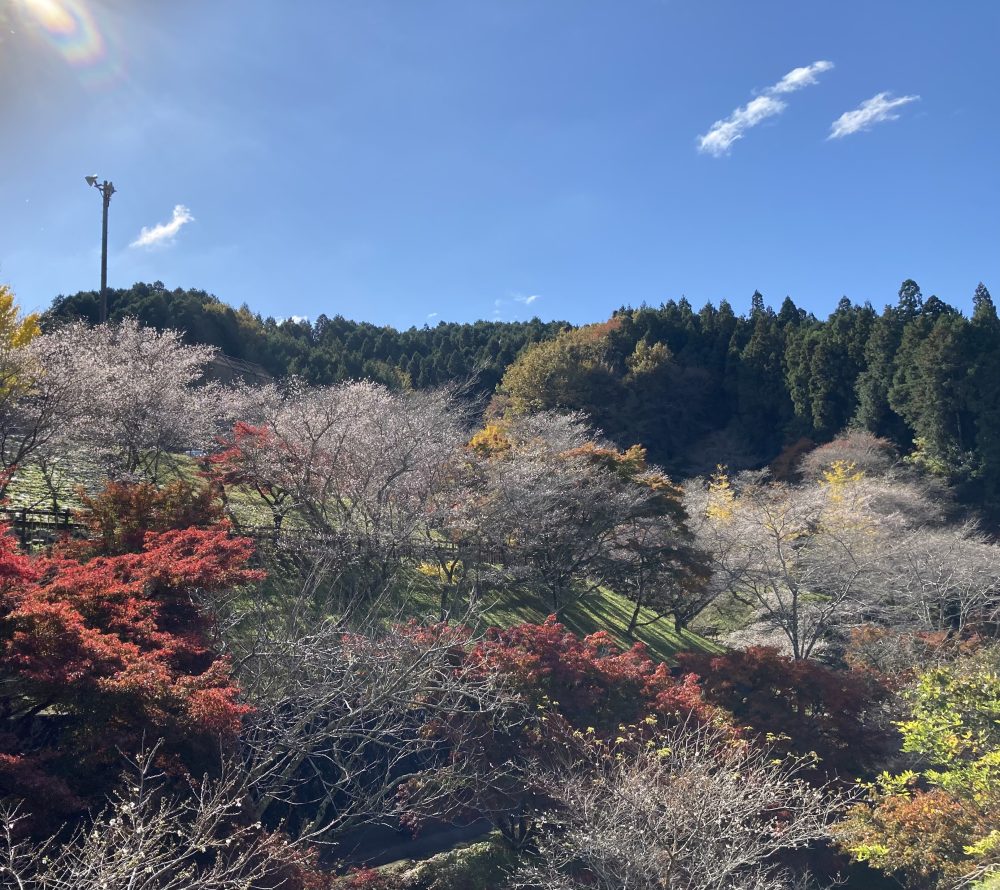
(404, 161)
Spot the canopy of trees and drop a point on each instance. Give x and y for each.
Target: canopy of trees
(696, 388)
(270, 619)
(322, 351)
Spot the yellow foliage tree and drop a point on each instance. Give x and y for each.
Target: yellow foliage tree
(490, 441)
(15, 330)
(721, 497)
(567, 372)
(838, 477)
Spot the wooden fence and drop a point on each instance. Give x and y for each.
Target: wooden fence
(37, 527)
(40, 527)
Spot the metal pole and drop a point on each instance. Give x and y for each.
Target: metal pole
(106, 194)
(107, 190)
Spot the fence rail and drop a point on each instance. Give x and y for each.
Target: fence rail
(40, 527)
(33, 526)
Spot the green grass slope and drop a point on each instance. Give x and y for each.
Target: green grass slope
(600, 609)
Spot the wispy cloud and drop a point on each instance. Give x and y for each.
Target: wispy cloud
(723, 133)
(870, 112)
(800, 77)
(164, 233)
(432, 315)
(527, 300)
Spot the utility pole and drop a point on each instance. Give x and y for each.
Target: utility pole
(107, 189)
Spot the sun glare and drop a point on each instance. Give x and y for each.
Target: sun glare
(52, 15)
(71, 28)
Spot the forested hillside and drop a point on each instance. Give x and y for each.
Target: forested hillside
(263, 634)
(696, 388)
(324, 350)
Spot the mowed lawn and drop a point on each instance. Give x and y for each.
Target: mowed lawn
(601, 609)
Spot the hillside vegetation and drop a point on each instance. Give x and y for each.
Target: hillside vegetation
(695, 387)
(286, 624)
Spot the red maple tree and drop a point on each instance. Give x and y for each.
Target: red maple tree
(103, 648)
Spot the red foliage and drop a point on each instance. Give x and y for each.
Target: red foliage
(784, 468)
(253, 457)
(572, 689)
(101, 653)
(591, 681)
(806, 706)
(120, 516)
(246, 441)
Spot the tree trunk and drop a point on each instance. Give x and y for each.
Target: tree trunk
(635, 617)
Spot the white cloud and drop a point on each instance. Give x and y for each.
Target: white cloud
(164, 233)
(870, 112)
(800, 77)
(432, 315)
(723, 133)
(527, 300)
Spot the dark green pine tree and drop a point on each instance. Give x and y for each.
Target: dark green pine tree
(790, 314)
(800, 344)
(424, 376)
(887, 359)
(930, 390)
(984, 385)
(456, 368)
(874, 413)
(836, 363)
(910, 301)
(763, 405)
(412, 369)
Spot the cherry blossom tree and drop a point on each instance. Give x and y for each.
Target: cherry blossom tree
(943, 578)
(123, 399)
(814, 560)
(803, 559)
(353, 462)
(42, 401)
(554, 498)
(146, 395)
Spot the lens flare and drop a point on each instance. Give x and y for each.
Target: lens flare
(70, 27)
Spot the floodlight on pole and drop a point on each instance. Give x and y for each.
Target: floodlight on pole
(106, 189)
